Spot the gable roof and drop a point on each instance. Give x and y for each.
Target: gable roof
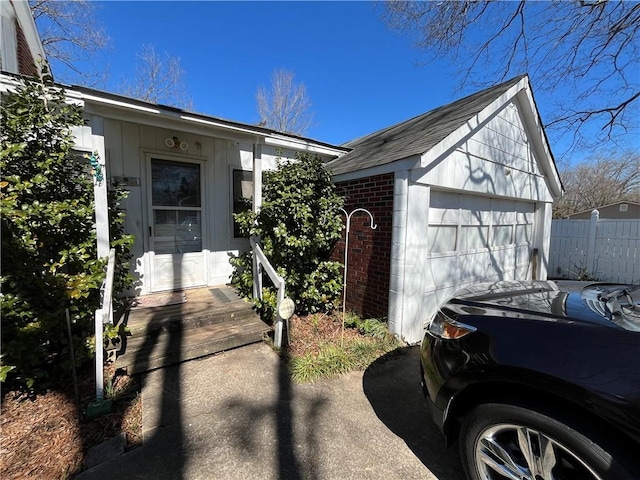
(417, 135)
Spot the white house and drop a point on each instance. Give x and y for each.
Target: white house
(186, 174)
(461, 194)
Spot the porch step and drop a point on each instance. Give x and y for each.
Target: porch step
(205, 325)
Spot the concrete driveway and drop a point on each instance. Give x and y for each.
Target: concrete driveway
(237, 416)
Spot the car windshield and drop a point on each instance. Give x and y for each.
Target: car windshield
(620, 304)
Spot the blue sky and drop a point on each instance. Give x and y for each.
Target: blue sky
(360, 75)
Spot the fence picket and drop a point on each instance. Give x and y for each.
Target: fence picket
(614, 255)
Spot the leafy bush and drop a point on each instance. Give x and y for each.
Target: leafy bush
(49, 257)
(298, 224)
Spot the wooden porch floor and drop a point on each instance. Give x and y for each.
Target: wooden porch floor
(212, 320)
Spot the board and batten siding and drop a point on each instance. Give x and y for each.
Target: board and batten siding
(596, 249)
(129, 146)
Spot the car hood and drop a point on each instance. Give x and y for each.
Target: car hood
(546, 300)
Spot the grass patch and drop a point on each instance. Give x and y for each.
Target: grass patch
(320, 349)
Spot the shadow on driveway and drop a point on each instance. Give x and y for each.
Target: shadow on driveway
(392, 386)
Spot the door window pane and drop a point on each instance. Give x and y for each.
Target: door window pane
(175, 184)
(441, 238)
(473, 237)
(523, 233)
(502, 234)
(177, 231)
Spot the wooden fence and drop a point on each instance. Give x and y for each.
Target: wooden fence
(595, 249)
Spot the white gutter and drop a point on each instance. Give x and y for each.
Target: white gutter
(219, 125)
(294, 143)
(115, 103)
(269, 138)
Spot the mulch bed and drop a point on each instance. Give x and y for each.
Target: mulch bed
(309, 332)
(44, 436)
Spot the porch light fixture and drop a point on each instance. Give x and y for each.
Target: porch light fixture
(174, 142)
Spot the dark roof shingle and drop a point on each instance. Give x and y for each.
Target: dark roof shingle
(417, 135)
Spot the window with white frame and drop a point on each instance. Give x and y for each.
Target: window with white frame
(459, 222)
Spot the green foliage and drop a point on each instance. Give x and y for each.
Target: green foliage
(49, 258)
(370, 326)
(329, 361)
(352, 353)
(298, 224)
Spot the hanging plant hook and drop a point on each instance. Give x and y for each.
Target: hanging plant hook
(346, 253)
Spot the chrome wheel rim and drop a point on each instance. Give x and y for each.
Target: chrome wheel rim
(516, 452)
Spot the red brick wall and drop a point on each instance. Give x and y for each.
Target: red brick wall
(369, 259)
(26, 63)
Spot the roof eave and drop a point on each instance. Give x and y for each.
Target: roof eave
(408, 163)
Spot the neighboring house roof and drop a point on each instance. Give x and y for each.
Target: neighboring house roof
(419, 134)
(614, 204)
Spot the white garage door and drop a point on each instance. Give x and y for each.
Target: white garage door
(472, 238)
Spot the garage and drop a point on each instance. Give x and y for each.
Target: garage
(461, 194)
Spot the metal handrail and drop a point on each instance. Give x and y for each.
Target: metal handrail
(104, 315)
(260, 263)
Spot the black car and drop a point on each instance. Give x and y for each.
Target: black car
(536, 382)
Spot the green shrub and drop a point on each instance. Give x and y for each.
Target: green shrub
(332, 355)
(298, 224)
(329, 361)
(49, 257)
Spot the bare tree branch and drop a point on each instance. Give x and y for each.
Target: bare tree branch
(158, 79)
(599, 181)
(69, 33)
(286, 107)
(583, 56)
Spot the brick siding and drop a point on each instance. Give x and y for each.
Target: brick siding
(369, 261)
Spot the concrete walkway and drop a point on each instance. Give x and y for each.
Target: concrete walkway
(237, 416)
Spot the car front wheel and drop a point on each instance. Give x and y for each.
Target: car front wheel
(501, 441)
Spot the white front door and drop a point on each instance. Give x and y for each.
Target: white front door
(176, 216)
